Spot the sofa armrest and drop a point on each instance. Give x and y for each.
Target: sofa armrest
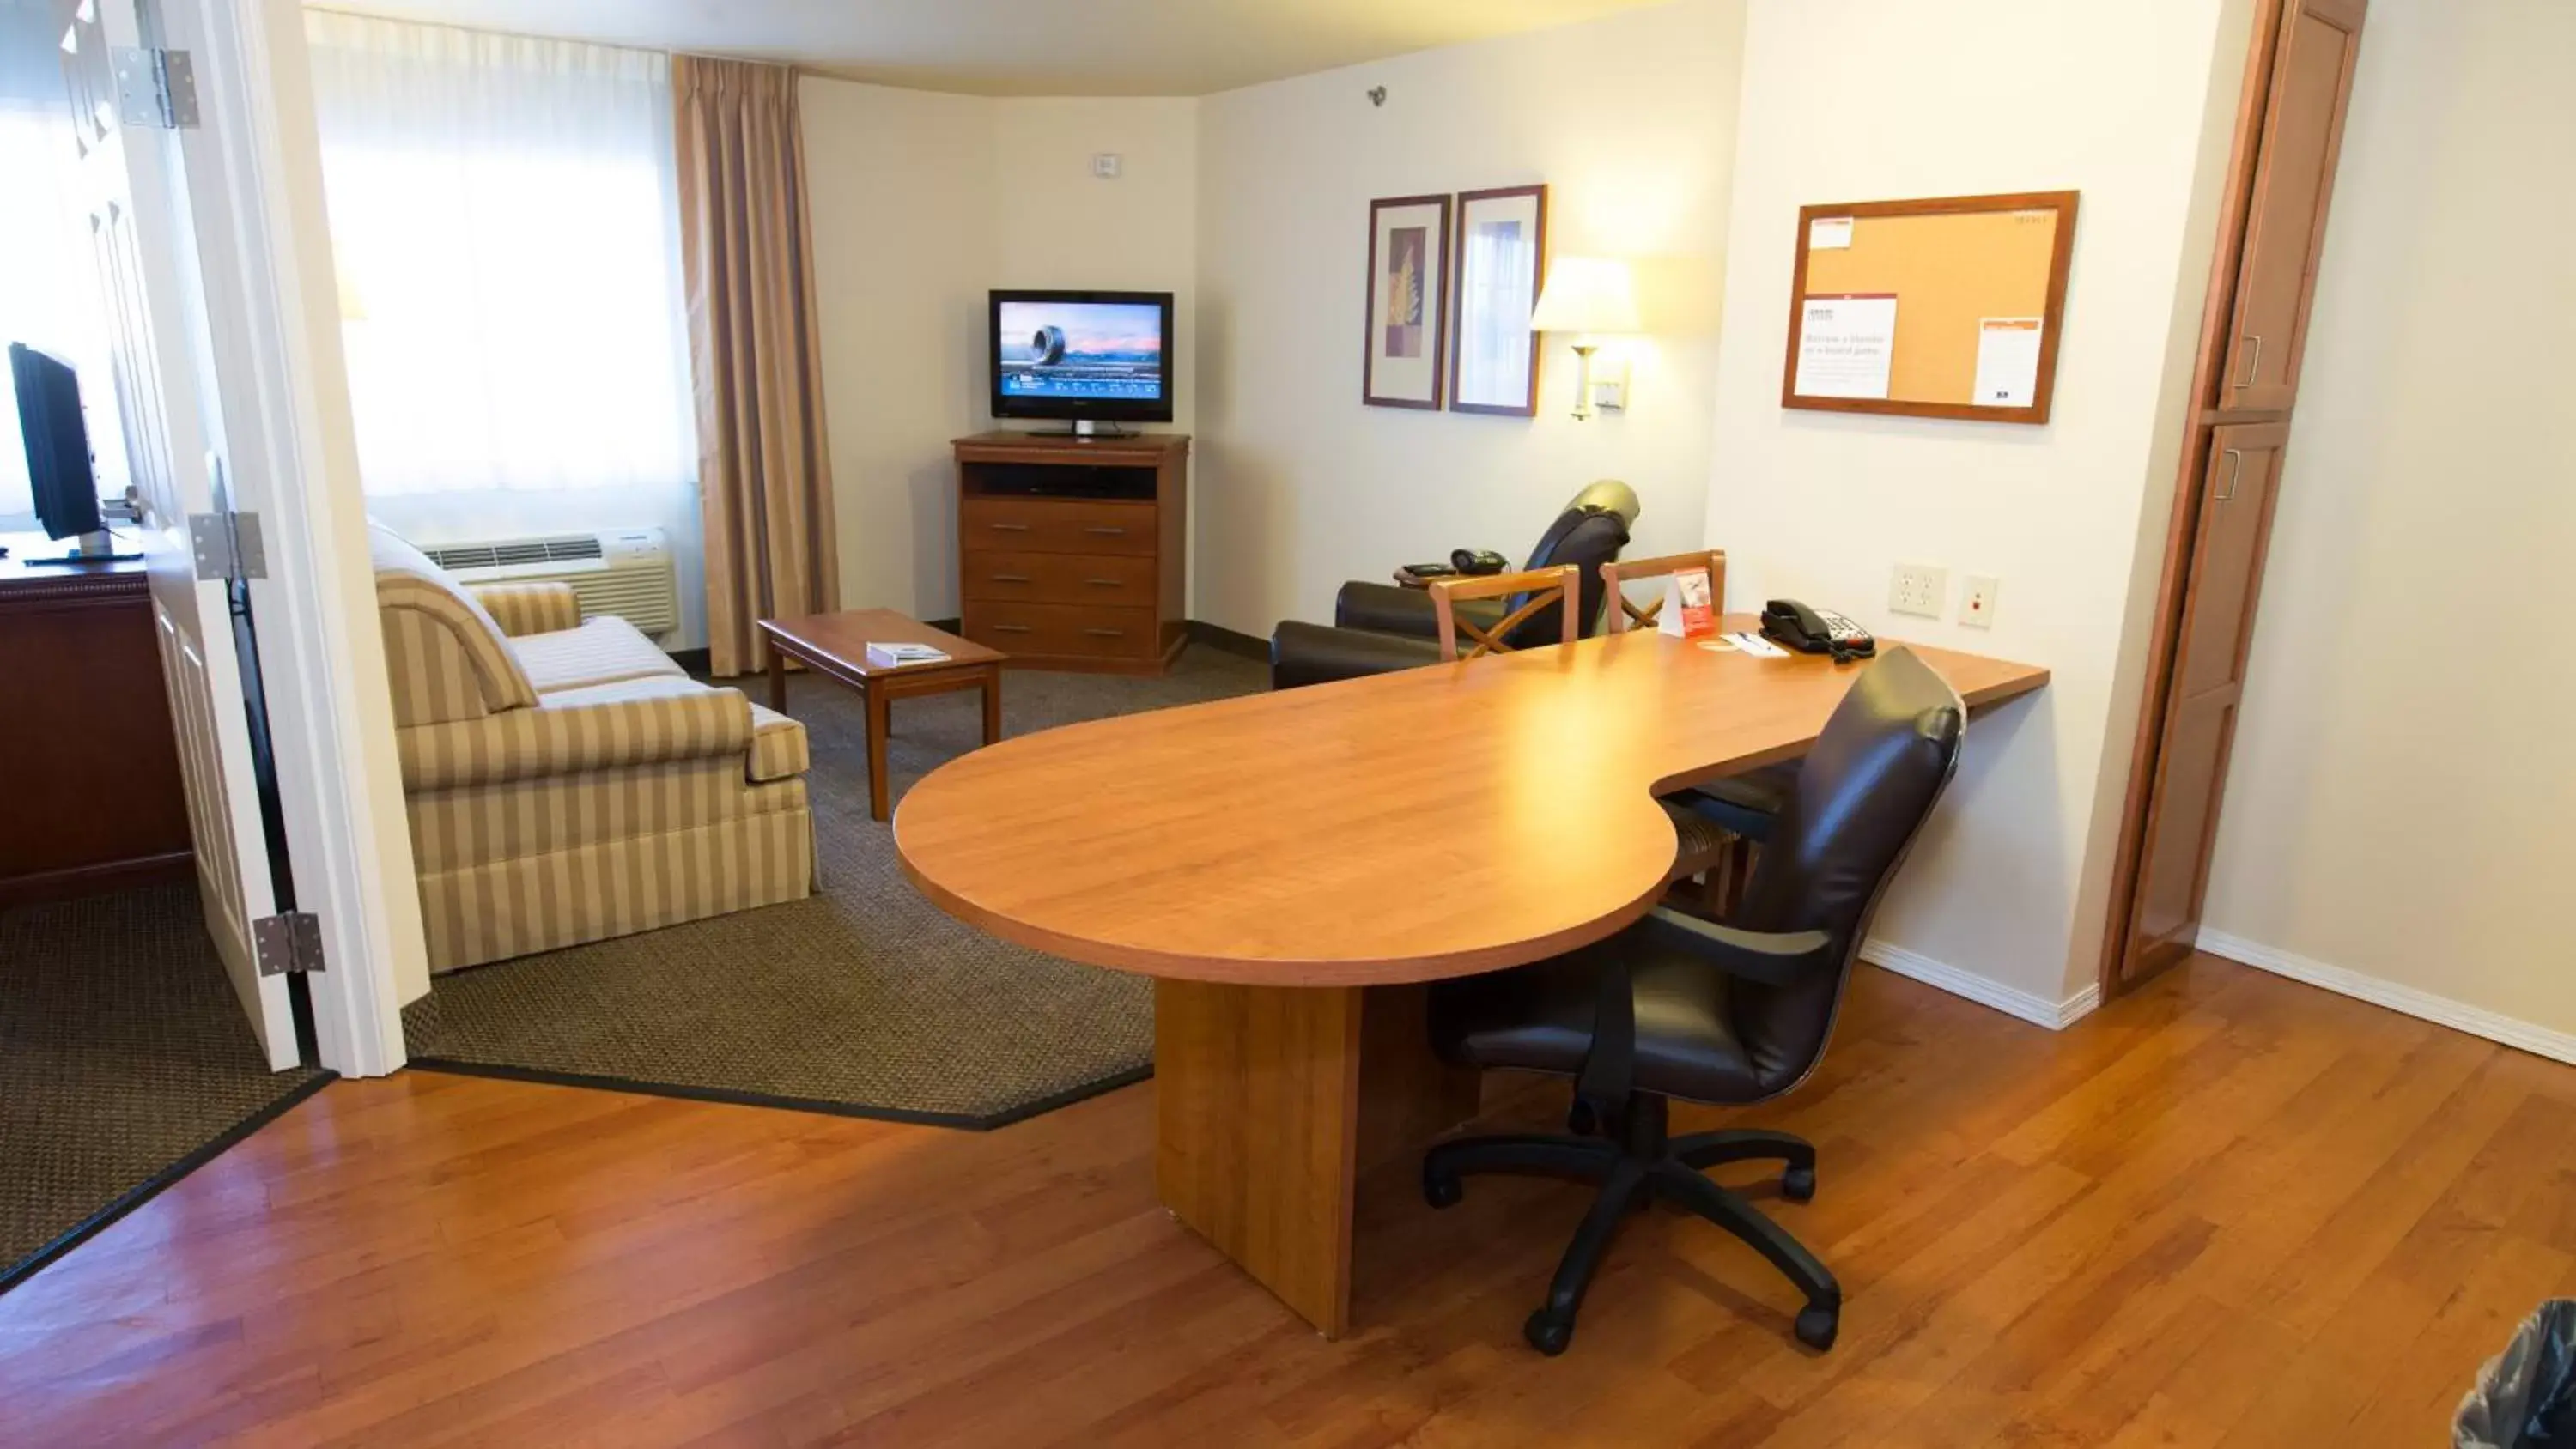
(523, 609)
(593, 729)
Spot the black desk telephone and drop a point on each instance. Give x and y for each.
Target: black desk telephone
(1472, 561)
(1813, 631)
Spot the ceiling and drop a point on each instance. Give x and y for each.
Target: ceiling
(1022, 47)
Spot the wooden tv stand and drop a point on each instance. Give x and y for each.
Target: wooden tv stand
(1072, 551)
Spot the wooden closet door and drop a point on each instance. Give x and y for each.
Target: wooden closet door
(2208, 680)
(2293, 178)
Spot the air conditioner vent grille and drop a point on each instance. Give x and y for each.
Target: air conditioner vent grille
(463, 556)
(639, 585)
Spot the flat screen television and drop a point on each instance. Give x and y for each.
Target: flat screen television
(1083, 357)
(49, 419)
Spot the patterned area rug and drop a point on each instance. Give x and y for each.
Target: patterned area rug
(865, 998)
(124, 1062)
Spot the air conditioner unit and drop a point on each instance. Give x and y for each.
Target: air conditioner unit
(625, 571)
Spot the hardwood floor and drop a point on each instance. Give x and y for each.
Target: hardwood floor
(2228, 1210)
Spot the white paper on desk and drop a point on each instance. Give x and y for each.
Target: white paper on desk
(2007, 361)
(1829, 234)
(1845, 345)
(1753, 644)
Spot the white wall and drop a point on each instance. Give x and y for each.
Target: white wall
(1880, 99)
(1057, 225)
(1630, 121)
(902, 184)
(2401, 795)
(922, 203)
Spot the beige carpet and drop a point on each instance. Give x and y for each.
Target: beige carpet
(124, 1062)
(864, 999)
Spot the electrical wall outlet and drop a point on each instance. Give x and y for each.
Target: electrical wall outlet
(1107, 165)
(1977, 601)
(1918, 589)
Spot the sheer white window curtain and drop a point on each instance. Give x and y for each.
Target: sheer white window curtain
(505, 222)
(49, 295)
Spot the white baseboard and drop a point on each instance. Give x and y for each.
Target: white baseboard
(2459, 1016)
(2011, 1001)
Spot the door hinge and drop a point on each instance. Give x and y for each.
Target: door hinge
(289, 943)
(228, 545)
(155, 88)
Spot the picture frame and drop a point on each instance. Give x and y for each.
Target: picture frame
(1404, 338)
(1501, 260)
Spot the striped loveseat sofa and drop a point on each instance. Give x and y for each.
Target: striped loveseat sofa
(566, 781)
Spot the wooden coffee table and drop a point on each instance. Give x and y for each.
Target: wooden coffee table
(837, 645)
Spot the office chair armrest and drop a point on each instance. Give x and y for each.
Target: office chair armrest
(1773, 957)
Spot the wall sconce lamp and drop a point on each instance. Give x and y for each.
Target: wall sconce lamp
(1591, 297)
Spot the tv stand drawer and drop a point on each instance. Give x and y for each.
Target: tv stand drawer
(1063, 630)
(1056, 525)
(1060, 578)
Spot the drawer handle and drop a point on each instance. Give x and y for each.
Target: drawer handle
(1008, 527)
(2253, 364)
(1010, 628)
(1010, 578)
(1106, 633)
(1102, 583)
(1107, 528)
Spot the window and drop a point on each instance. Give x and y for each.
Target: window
(48, 285)
(505, 221)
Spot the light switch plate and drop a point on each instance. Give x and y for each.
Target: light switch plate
(1918, 589)
(1977, 600)
(1107, 164)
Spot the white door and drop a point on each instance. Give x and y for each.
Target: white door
(133, 191)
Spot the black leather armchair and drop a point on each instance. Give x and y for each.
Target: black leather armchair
(1378, 628)
(1733, 1012)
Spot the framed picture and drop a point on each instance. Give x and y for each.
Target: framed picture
(1502, 253)
(1408, 302)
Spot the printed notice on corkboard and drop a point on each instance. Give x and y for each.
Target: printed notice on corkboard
(1945, 308)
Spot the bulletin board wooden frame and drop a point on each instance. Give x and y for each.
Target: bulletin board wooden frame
(1953, 277)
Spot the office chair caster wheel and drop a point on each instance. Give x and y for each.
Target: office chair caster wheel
(1549, 1333)
(1798, 1184)
(1441, 1190)
(1818, 1324)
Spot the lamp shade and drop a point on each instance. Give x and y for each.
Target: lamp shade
(1586, 294)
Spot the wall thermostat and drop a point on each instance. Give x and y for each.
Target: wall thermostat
(1105, 165)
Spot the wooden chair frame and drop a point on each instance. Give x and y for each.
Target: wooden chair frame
(1544, 586)
(1614, 573)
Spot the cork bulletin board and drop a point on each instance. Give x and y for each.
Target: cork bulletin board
(1942, 308)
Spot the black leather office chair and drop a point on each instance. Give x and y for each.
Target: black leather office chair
(1379, 628)
(1734, 1012)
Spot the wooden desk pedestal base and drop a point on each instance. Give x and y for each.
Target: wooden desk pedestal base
(1273, 1100)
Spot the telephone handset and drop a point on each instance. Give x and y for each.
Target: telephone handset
(1814, 631)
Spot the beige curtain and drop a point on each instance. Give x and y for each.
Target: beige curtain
(747, 259)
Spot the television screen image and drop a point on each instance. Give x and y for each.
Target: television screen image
(1088, 357)
(1109, 350)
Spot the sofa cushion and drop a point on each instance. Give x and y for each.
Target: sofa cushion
(629, 722)
(778, 747)
(603, 650)
(446, 657)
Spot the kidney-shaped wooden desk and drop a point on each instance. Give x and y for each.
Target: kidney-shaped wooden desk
(1292, 866)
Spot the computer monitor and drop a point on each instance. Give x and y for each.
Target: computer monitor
(58, 462)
